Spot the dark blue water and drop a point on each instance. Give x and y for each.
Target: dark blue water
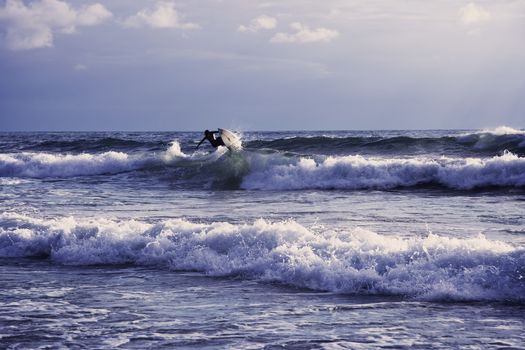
(300, 240)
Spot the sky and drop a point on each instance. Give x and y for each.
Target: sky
(70, 65)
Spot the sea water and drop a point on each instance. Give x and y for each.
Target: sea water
(301, 240)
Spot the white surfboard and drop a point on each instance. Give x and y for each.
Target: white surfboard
(230, 139)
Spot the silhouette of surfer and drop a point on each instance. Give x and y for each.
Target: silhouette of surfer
(209, 135)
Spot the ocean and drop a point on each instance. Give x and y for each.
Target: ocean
(301, 240)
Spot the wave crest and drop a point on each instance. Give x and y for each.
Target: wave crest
(503, 130)
(500, 138)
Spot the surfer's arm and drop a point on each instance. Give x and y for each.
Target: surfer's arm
(201, 142)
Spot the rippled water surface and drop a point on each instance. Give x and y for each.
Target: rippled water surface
(129, 307)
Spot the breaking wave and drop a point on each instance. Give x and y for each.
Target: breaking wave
(42, 165)
(357, 172)
(276, 171)
(501, 138)
(45, 165)
(355, 261)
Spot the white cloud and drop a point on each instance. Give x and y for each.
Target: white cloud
(260, 23)
(92, 15)
(303, 34)
(33, 25)
(472, 13)
(163, 15)
(79, 66)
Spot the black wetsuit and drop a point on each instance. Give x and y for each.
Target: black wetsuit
(215, 142)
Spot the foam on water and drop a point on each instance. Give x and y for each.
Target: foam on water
(174, 152)
(353, 261)
(12, 182)
(40, 165)
(502, 130)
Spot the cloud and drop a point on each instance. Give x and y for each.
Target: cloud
(79, 67)
(472, 13)
(92, 15)
(33, 25)
(163, 15)
(259, 23)
(303, 34)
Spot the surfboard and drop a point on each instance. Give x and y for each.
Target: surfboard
(230, 139)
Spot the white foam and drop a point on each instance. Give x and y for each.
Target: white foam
(42, 165)
(503, 130)
(39, 165)
(351, 261)
(497, 131)
(357, 172)
(12, 182)
(174, 152)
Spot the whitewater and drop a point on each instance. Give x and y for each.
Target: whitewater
(302, 239)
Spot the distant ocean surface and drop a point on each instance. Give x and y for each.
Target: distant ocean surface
(301, 240)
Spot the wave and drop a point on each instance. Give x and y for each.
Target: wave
(501, 130)
(336, 145)
(485, 142)
(42, 165)
(80, 142)
(495, 139)
(259, 171)
(358, 172)
(474, 143)
(355, 261)
(48, 165)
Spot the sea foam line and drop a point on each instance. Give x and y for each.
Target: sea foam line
(353, 261)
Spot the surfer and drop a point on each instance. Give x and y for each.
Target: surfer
(209, 135)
